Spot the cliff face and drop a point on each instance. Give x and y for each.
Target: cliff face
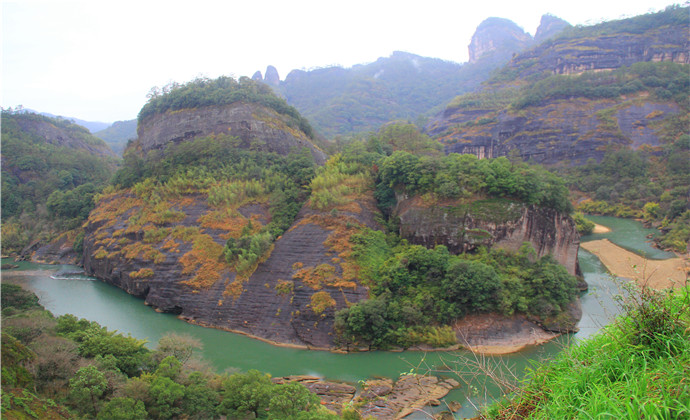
(549, 26)
(497, 39)
(501, 223)
(576, 94)
(576, 54)
(558, 131)
(257, 127)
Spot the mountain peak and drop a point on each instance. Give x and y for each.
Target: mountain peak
(272, 77)
(549, 26)
(497, 39)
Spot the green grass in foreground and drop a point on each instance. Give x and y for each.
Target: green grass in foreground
(639, 367)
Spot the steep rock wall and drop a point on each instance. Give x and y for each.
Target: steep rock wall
(276, 303)
(502, 223)
(257, 127)
(570, 131)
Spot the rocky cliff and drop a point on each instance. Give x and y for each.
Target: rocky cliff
(578, 94)
(259, 128)
(176, 266)
(502, 223)
(558, 131)
(497, 39)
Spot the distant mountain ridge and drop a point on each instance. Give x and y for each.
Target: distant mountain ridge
(403, 86)
(573, 97)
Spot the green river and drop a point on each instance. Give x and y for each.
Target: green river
(63, 293)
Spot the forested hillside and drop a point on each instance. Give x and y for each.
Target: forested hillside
(51, 170)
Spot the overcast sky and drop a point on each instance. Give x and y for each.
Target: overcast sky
(97, 60)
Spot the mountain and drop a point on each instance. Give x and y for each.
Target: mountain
(497, 39)
(221, 216)
(118, 134)
(92, 126)
(51, 170)
(549, 26)
(617, 84)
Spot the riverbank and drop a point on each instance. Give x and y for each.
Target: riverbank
(496, 334)
(658, 274)
(600, 229)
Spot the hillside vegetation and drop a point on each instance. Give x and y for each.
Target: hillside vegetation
(635, 368)
(51, 170)
(65, 367)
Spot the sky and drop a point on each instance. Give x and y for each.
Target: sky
(97, 59)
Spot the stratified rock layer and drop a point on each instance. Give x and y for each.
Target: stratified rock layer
(502, 223)
(257, 127)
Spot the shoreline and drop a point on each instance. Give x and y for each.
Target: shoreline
(600, 228)
(474, 342)
(657, 274)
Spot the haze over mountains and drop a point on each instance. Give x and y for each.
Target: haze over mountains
(344, 101)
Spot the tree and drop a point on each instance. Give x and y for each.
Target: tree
(181, 346)
(123, 408)
(472, 284)
(246, 393)
(166, 398)
(291, 399)
(86, 389)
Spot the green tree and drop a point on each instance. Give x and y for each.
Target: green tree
(166, 398)
(472, 285)
(86, 389)
(123, 408)
(246, 393)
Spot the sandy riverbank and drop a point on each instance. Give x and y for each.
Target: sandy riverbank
(600, 229)
(658, 274)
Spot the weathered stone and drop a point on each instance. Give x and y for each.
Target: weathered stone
(257, 127)
(505, 224)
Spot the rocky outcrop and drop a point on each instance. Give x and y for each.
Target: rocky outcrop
(609, 46)
(501, 223)
(58, 251)
(549, 26)
(177, 267)
(382, 399)
(272, 78)
(558, 131)
(62, 133)
(497, 39)
(257, 127)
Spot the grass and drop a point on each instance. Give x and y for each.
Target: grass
(638, 367)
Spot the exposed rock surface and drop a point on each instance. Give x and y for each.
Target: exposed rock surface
(257, 127)
(385, 400)
(274, 303)
(570, 130)
(548, 27)
(499, 223)
(272, 77)
(58, 251)
(382, 399)
(559, 131)
(497, 39)
(576, 54)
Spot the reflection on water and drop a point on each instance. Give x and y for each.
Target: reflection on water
(64, 289)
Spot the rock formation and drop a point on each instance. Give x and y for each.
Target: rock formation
(276, 303)
(548, 27)
(257, 127)
(572, 126)
(272, 77)
(497, 39)
(502, 223)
